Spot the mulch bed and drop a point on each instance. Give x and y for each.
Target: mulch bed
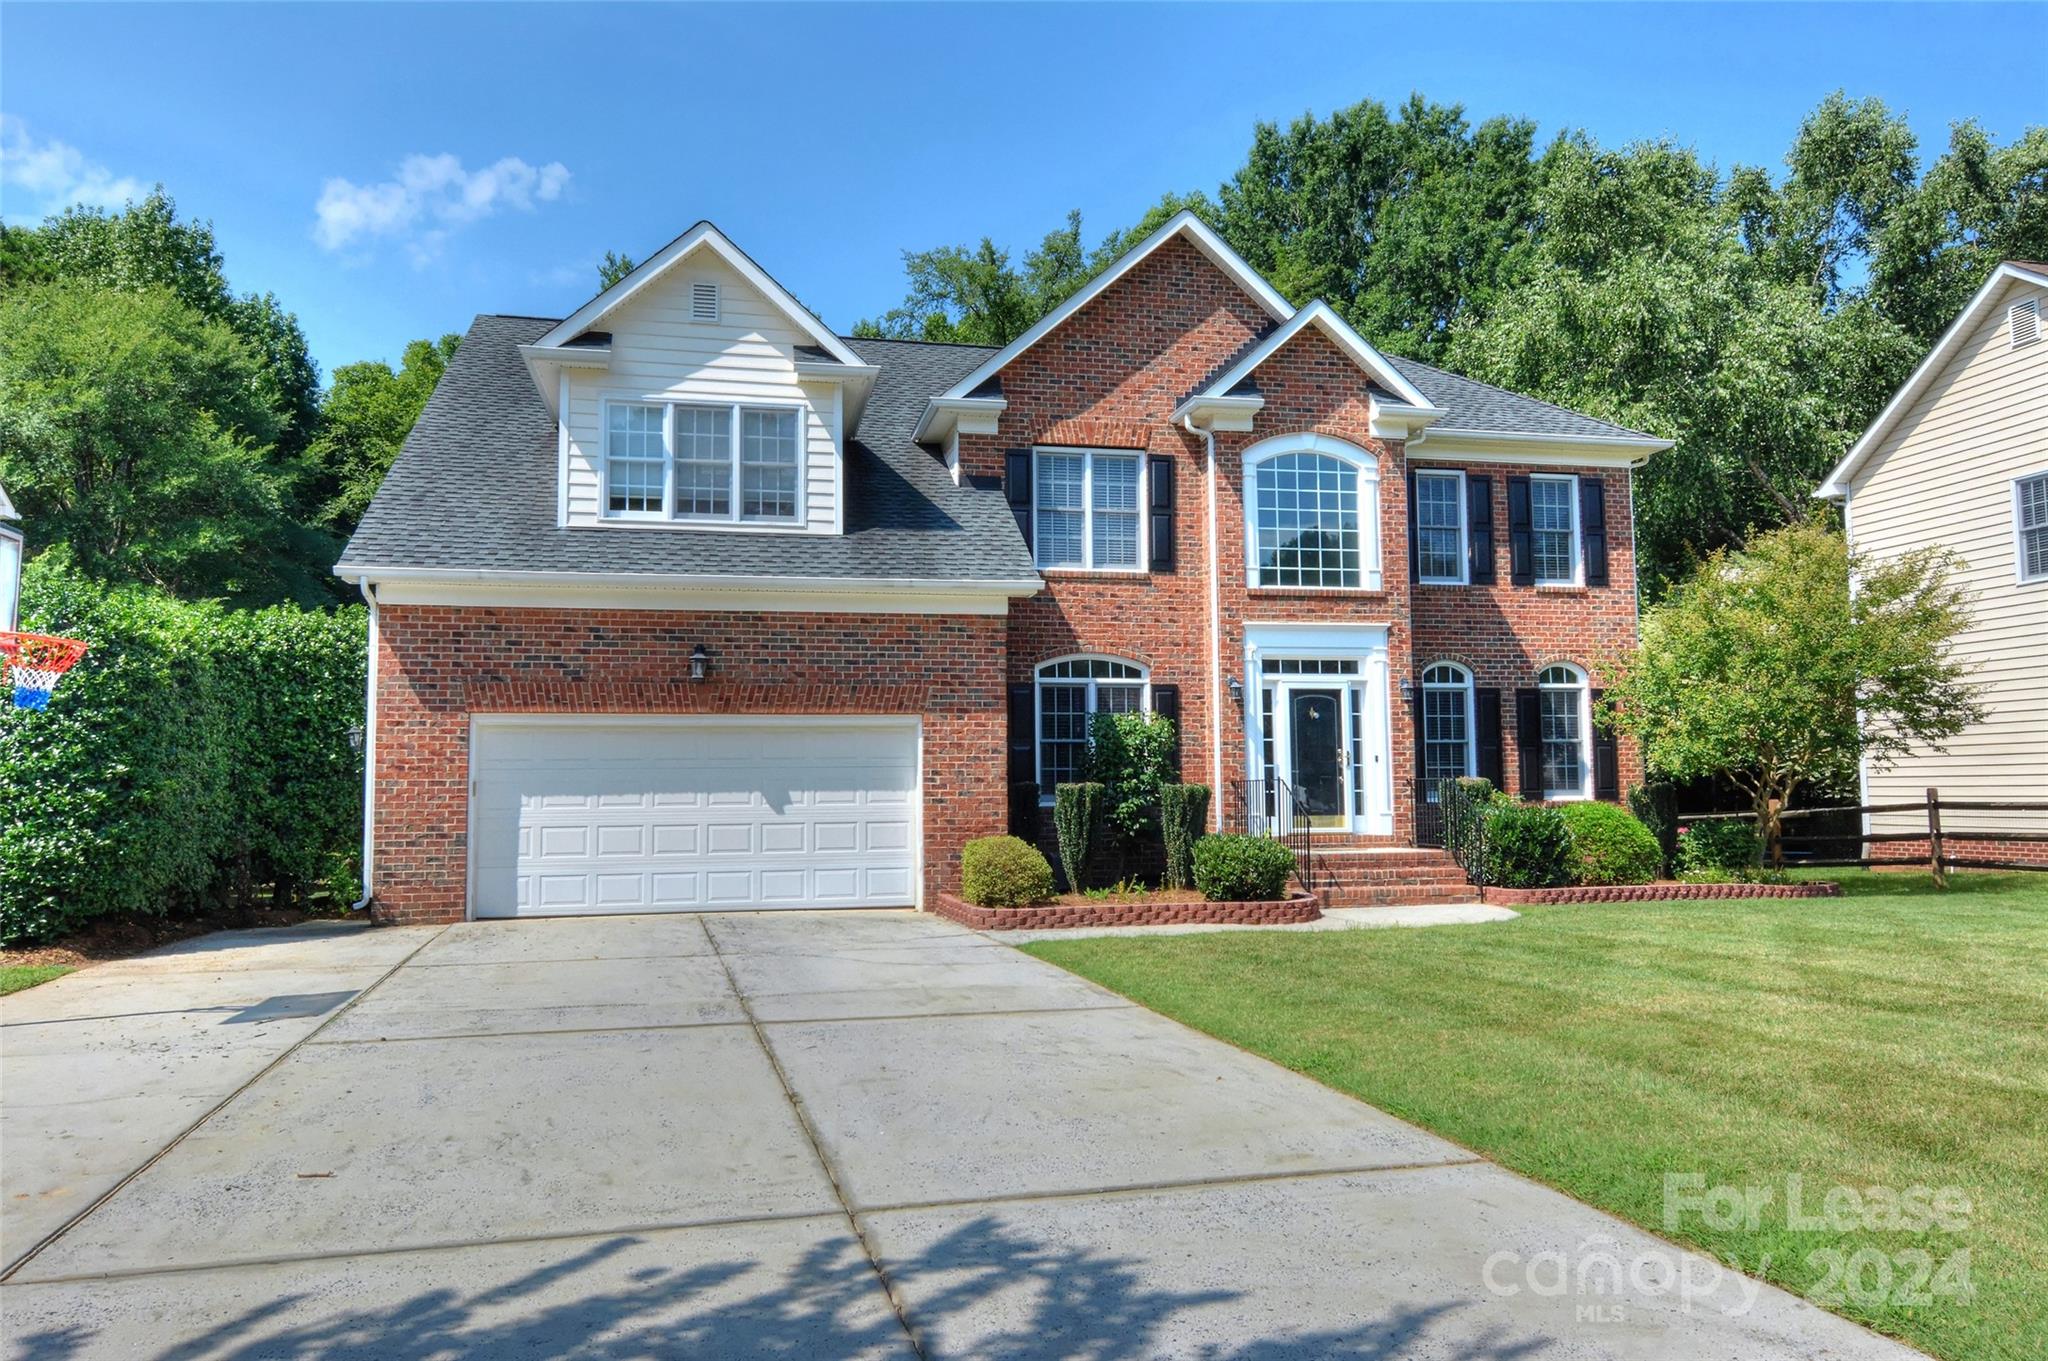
(121, 937)
(1664, 891)
(1151, 908)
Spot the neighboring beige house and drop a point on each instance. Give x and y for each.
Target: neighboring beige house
(1960, 458)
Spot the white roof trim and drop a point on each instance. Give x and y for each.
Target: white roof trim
(7, 510)
(572, 356)
(655, 581)
(1183, 223)
(1836, 484)
(1325, 319)
(943, 415)
(704, 235)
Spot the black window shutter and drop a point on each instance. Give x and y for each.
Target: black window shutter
(1529, 741)
(1606, 757)
(1593, 529)
(1521, 548)
(1166, 703)
(1414, 535)
(1486, 737)
(1023, 734)
(1017, 486)
(1162, 514)
(1479, 527)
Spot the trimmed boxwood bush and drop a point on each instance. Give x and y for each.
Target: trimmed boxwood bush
(1004, 871)
(1232, 869)
(195, 752)
(1182, 810)
(1724, 845)
(1528, 845)
(1610, 845)
(1076, 814)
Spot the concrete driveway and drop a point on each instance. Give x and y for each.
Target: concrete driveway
(755, 1135)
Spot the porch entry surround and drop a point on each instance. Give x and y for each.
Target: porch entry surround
(1317, 716)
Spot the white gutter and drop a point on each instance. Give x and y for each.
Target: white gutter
(369, 755)
(1216, 693)
(657, 581)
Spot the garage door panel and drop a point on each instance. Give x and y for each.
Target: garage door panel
(682, 816)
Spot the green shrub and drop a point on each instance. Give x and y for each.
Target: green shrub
(1076, 813)
(1528, 845)
(194, 751)
(1610, 845)
(1722, 844)
(1231, 869)
(1004, 871)
(1130, 756)
(1183, 808)
(1656, 803)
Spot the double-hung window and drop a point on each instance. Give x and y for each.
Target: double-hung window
(1565, 732)
(1554, 529)
(1070, 693)
(692, 461)
(1440, 528)
(1087, 509)
(1446, 725)
(2030, 526)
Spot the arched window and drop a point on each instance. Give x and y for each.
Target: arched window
(1312, 513)
(1567, 733)
(1071, 691)
(1446, 725)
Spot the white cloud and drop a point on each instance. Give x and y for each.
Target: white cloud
(55, 175)
(428, 198)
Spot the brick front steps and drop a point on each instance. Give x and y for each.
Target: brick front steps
(1353, 876)
(1193, 912)
(1656, 893)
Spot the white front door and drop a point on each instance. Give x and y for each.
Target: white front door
(1321, 723)
(597, 814)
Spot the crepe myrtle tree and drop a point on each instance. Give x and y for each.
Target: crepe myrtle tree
(1766, 667)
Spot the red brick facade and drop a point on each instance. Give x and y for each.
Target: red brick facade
(439, 665)
(1108, 377)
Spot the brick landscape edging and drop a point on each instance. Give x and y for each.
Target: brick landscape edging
(1193, 912)
(1656, 893)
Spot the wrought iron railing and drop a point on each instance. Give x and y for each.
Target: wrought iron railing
(1461, 814)
(1276, 809)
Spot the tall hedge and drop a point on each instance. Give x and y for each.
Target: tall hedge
(195, 751)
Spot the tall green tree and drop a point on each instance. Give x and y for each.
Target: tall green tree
(364, 420)
(615, 266)
(1765, 668)
(137, 430)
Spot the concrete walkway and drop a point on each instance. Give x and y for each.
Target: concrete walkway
(754, 1135)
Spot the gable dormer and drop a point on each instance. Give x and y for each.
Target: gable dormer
(697, 393)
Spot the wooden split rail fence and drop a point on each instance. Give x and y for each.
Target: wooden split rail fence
(1813, 849)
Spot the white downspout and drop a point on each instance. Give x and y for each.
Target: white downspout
(1217, 695)
(369, 755)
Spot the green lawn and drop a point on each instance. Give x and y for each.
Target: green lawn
(1896, 1037)
(15, 977)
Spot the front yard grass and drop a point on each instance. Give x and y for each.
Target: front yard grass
(13, 978)
(1895, 1037)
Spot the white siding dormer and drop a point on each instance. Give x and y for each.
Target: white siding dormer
(664, 352)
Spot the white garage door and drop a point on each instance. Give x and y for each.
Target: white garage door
(691, 815)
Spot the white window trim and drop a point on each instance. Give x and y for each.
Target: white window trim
(667, 515)
(1584, 685)
(1467, 686)
(1370, 579)
(1464, 576)
(1578, 576)
(2019, 537)
(1039, 680)
(1087, 563)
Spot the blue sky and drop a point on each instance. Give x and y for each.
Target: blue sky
(391, 170)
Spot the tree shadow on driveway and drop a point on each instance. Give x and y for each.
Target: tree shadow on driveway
(1057, 1302)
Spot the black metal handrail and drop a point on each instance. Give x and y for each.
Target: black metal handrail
(1276, 809)
(1461, 811)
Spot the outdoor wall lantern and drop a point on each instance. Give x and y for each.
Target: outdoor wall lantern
(1407, 690)
(700, 663)
(1237, 692)
(355, 738)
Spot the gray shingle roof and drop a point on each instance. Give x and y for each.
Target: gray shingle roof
(1473, 405)
(474, 487)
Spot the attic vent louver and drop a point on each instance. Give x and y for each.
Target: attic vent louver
(703, 302)
(2025, 318)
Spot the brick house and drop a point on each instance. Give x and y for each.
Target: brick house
(685, 602)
